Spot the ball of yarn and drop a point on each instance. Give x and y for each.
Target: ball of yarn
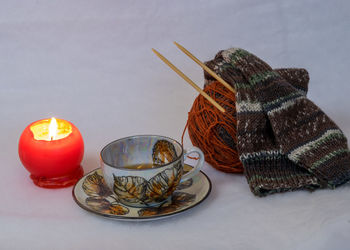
(213, 131)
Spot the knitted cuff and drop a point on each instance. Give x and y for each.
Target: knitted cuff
(279, 174)
(297, 77)
(244, 70)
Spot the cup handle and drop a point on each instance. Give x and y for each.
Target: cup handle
(198, 166)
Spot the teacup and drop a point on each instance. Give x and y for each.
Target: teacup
(145, 170)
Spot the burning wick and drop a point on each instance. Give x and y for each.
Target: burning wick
(53, 129)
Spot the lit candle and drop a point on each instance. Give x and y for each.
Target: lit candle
(52, 150)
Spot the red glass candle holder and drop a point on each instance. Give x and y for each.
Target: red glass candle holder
(52, 150)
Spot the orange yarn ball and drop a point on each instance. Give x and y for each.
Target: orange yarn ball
(213, 131)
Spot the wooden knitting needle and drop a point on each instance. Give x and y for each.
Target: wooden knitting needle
(211, 100)
(212, 73)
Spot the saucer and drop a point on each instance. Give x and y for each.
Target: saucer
(91, 194)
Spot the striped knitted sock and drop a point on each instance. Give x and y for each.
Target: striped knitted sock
(304, 133)
(267, 170)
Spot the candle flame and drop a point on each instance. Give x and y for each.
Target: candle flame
(53, 129)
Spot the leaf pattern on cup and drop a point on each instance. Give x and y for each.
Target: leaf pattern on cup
(104, 206)
(130, 188)
(163, 152)
(161, 186)
(137, 189)
(178, 200)
(94, 185)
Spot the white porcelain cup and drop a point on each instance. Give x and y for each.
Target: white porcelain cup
(146, 186)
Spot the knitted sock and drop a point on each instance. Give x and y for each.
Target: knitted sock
(297, 76)
(264, 139)
(304, 133)
(267, 170)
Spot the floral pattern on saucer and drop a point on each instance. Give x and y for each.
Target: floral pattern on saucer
(178, 199)
(92, 194)
(98, 193)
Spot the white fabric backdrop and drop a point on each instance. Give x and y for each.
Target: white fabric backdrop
(91, 62)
